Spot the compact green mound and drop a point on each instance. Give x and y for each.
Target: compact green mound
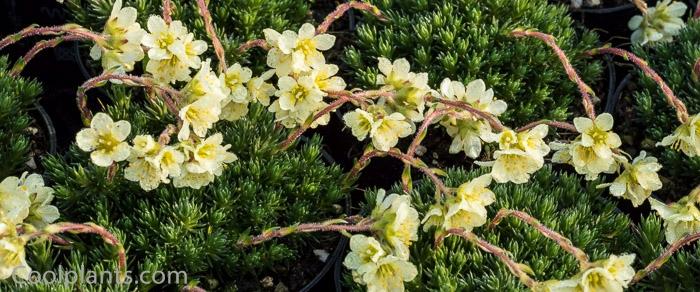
(236, 21)
(17, 96)
(679, 273)
(674, 62)
(561, 201)
(466, 40)
(196, 231)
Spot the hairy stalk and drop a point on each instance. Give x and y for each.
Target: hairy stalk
(360, 164)
(298, 132)
(342, 8)
(663, 258)
(585, 90)
(70, 29)
(555, 124)
(681, 110)
(90, 228)
(38, 47)
(128, 80)
(218, 48)
(351, 224)
(422, 168)
(493, 121)
(502, 255)
(564, 242)
(421, 133)
(164, 137)
(252, 44)
(167, 11)
(641, 5)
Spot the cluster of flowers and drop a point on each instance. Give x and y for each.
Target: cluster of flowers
(382, 262)
(612, 274)
(658, 24)
(25, 204)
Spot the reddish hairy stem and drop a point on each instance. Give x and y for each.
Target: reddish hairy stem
(564, 242)
(681, 110)
(218, 48)
(164, 138)
(555, 124)
(360, 164)
(131, 80)
(423, 128)
(167, 11)
(70, 29)
(362, 226)
(697, 11)
(38, 47)
(252, 44)
(493, 121)
(298, 132)
(585, 90)
(90, 228)
(500, 253)
(342, 8)
(424, 169)
(658, 262)
(641, 5)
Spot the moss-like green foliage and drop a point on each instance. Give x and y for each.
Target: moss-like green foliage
(679, 273)
(466, 40)
(236, 21)
(674, 62)
(196, 230)
(563, 202)
(16, 98)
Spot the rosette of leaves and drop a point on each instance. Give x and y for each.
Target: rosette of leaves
(196, 231)
(678, 273)
(236, 21)
(674, 62)
(467, 40)
(17, 95)
(561, 201)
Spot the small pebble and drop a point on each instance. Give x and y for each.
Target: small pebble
(420, 150)
(322, 254)
(267, 282)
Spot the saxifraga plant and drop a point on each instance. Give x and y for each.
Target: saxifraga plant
(197, 230)
(466, 40)
(675, 62)
(17, 96)
(561, 201)
(236, 21)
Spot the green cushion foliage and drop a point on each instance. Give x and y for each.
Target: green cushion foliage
(561, 201)
(196, 230)
(236, 21)
(17, 95)
(674, 62)
(466, 40)
(679, 273)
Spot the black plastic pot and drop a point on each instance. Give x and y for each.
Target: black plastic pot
(49, 128)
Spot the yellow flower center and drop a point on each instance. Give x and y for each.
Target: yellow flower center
(306, 46)
(207, 151)
(599, 136)
(298, 93)
(107, 142)
(596, 281)
(165, 40)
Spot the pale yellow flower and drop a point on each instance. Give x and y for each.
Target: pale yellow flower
(466, 135)
(620, 267)
(260, 90)
(200, 116)
(396, 221)
(105, 140)
(192, 180)
(205, 84)
(532, 141)
(41, 212)
(169, 161)
(388, 274)
(325, 79)
(680, 218)
(235, 79)
(14, 203)
(298, 94)
(466, 210)
(638, 180)
(12, 253)
(568, 285)
(599, 279)
(360, 123)
(365, 252)
(147, 174)
(293, 52)
(598, 134)
(685, 138)
(210, 156)
(234, 111)
(658, 24)
(409, 88)
(519, 154)
(145, 145)
(123, 40)
(172, 51)
(475, 94)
